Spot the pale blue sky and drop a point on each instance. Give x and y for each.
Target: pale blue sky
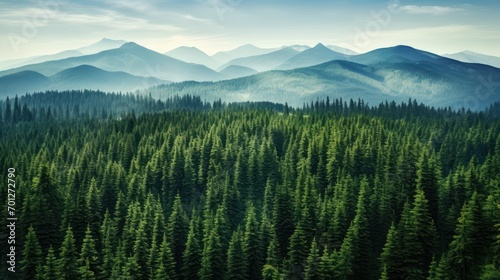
(30, 28)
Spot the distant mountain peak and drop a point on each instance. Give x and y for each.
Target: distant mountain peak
(320, 46)
(130, 45)
(107, 40)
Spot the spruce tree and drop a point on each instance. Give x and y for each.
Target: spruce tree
(67, 263)
(252, 245)
(311, 272)
(88, 259)
(236, 258)
(32, 255)
(178, 226)
(192, 255)
(165, 263)
(468, 244)
(49, 270)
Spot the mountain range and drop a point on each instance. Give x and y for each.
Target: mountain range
(77, 78)
(293, 74)
(396, 73)
(473, 57)
(102, 45)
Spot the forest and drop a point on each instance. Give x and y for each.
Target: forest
(187, 189)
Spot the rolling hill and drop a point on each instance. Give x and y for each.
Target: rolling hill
(236, 71)
(80, 77)
(473, 57)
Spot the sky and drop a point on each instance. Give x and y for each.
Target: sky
(30, 28)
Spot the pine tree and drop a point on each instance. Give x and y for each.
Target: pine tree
(390, 260)
(283, 220)
(326, 265)
(468, 244)
(192, 255)
(85, 272)
(313, 259)
(439, 270)
(140, 253)
(212, 260)
(49, 270)
(42, 208)
(419, 238)
(88, 259)
(236, 258)
(165, 262)
(93, 200)
(252, 245)
(67, 263)
(32, 255)
(428, 176)
(108, 246)
(178, 225)
(8, 111)
(270, 269)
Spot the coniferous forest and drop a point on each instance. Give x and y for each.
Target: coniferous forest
(186, 189)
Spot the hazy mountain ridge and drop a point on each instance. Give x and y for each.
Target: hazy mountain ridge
(236, 71)
(193, 55)
(473, 57)
(264, 62)
(80, 77)
(427, 82)
(131, 58)
(102, 45)
(242, 51)
(314, 56)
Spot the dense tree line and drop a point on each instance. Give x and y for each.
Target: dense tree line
(335, 190)
(88, 104)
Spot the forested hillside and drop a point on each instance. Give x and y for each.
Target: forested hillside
(334, 190)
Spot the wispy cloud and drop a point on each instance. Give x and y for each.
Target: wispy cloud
(431, 10)
(193, 18)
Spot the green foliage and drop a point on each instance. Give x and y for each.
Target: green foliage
(67, 263)
(236, 258)
(242, 191)
(32, 255)
(49, 270)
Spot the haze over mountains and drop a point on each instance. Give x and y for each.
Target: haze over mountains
(293, 74)
(102, 45)
(77, 78)
(473, 57)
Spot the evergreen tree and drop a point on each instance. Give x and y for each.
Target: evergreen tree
(49, 270)
(419, 238)
(67, 263)
(88, 259)
(236, 259)
(108, 246)
(468, 245)
(192, 255)
(178, 226)
(32, 255)
(212, 260)
(252, 245)
(42, 207)
(165, 263)
(311, 272)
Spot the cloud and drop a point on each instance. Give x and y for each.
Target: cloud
(431, 10)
